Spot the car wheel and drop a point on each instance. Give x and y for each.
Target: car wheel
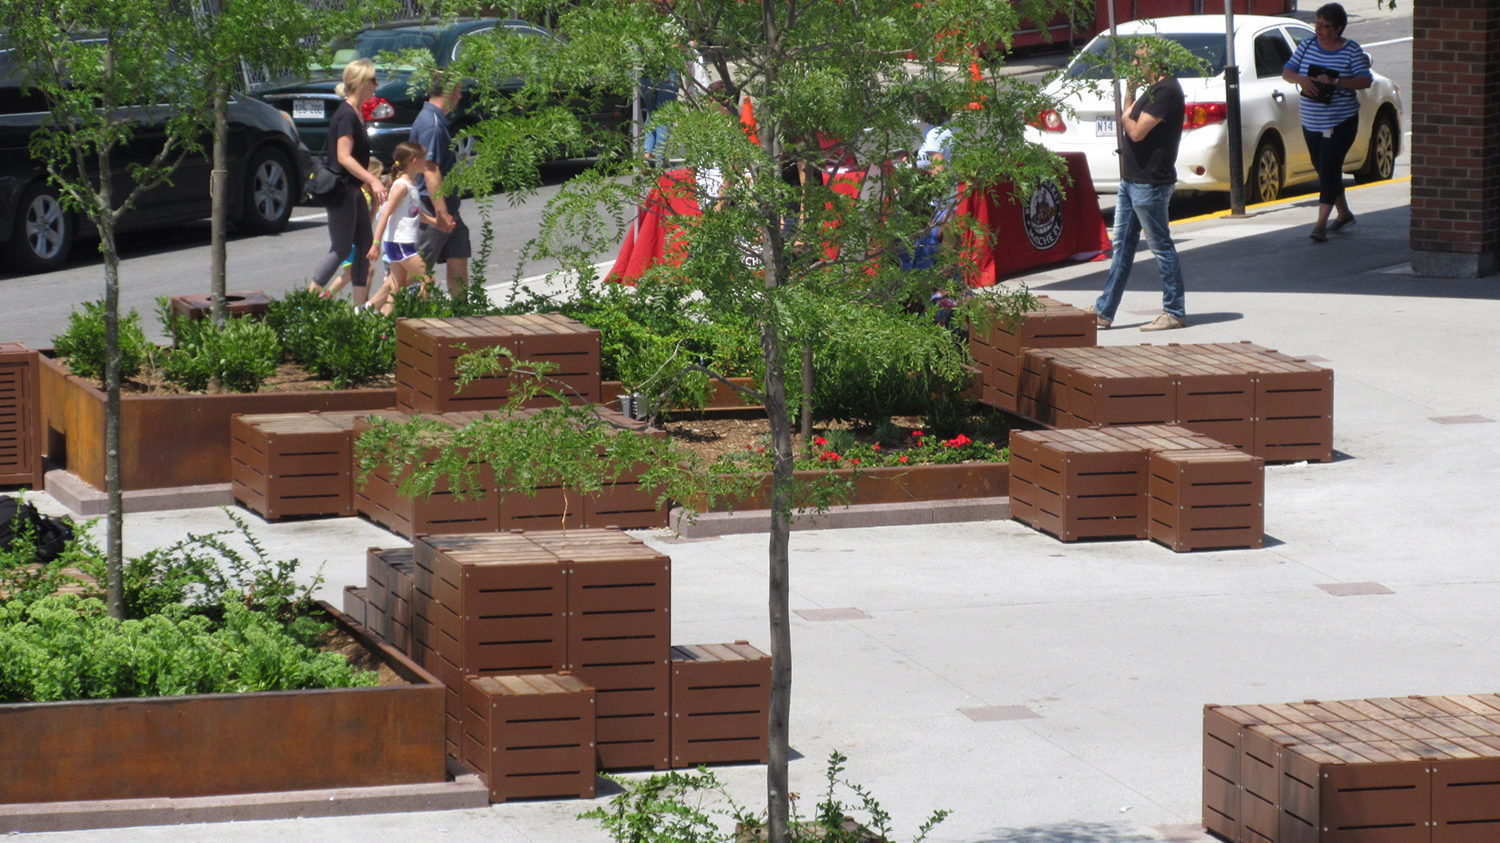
(44, 232)
(1380, 163)
(466, 149)
(268, 193)
(1264, 184)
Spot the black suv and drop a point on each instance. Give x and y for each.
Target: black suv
(390, 112)
(36, 232)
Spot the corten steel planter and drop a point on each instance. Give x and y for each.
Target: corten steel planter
(166, 440)
(722, 397)
(903, 484)
(199, 305)
(1389, 769)
(215, 744)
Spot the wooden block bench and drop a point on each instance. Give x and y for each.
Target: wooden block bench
(1090, 483)
(390, 592)
(530, 736)
(427, 353)
(619, 639)
(1203, 499)
(291, 464)
(20, 417)
(998, 348)
(593, 601)
(1388, 769)
(1269, 404)
(721, 696)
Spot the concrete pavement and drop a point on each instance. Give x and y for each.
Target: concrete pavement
(1053, 692)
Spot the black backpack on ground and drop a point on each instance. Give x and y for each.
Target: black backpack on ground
(17, 518)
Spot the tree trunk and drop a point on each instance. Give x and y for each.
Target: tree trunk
(218, 191)
(114, 538)
(777, 800)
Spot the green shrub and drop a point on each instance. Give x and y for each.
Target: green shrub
(333, 340)
(353, 347)
(80, 567)
(241, 355)
(295, 318)
(83, 343)
(202, 570)
(471, 300)
(66, 647)
(680, 807)
(871, 364)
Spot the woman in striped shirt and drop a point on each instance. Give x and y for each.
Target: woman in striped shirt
(1329, 69)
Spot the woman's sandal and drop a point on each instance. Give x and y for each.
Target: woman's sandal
(1319, 235)
(1341, 223)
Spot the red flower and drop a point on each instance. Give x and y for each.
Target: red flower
(828, 455)
(917, 433)
(855, 460)
(901, 459)
(819, 441)
(877, 446)
(958, 441)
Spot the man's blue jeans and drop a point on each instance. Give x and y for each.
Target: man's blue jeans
(1143, 207)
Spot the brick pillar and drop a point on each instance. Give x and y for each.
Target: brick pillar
(1455, 126)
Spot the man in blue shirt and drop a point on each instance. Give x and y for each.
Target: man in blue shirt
(448, 241)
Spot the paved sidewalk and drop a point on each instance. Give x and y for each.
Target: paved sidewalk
(1053, 692)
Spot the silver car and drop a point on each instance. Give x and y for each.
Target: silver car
(1275, 153)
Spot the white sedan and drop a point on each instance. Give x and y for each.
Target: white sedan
(1275, 153)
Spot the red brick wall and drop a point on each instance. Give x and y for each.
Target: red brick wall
(1455, 125)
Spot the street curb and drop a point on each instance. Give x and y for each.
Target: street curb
(466, 791)
(712, 524)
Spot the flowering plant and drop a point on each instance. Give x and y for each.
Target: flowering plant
(919, 449)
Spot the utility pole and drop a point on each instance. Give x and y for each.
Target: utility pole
(1232, 106)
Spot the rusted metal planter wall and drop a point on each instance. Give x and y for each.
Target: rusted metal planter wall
(227, 743)
(906, 484)
(166, 440)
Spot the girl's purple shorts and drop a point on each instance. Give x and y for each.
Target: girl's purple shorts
(397, 252)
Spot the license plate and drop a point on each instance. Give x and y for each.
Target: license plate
(1104, 127)
(307, 109)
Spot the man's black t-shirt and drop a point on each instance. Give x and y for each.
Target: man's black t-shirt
(1153, 159)
(345, 121)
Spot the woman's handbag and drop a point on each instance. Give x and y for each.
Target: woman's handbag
(321, 185)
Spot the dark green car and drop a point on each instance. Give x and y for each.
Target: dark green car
(389, 114)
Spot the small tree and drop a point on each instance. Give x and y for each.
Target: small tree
(836, 88)
(103, 66)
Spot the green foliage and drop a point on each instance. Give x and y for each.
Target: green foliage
(83, 343)
(205, 572)
(295, 318)
(65, 647)
(695, 807)
(242, 354)
(650, 332)
(333, 340)
(23, 580)
(871, 363)
(471, 300)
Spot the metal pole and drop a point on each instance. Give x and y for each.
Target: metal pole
(1114, 84)
(1234, 127)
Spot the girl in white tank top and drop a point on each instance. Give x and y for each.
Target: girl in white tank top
(396, 227)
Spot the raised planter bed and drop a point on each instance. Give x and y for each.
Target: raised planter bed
(904, 484)
(722, 398)
(216, 744)
(165, 440)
